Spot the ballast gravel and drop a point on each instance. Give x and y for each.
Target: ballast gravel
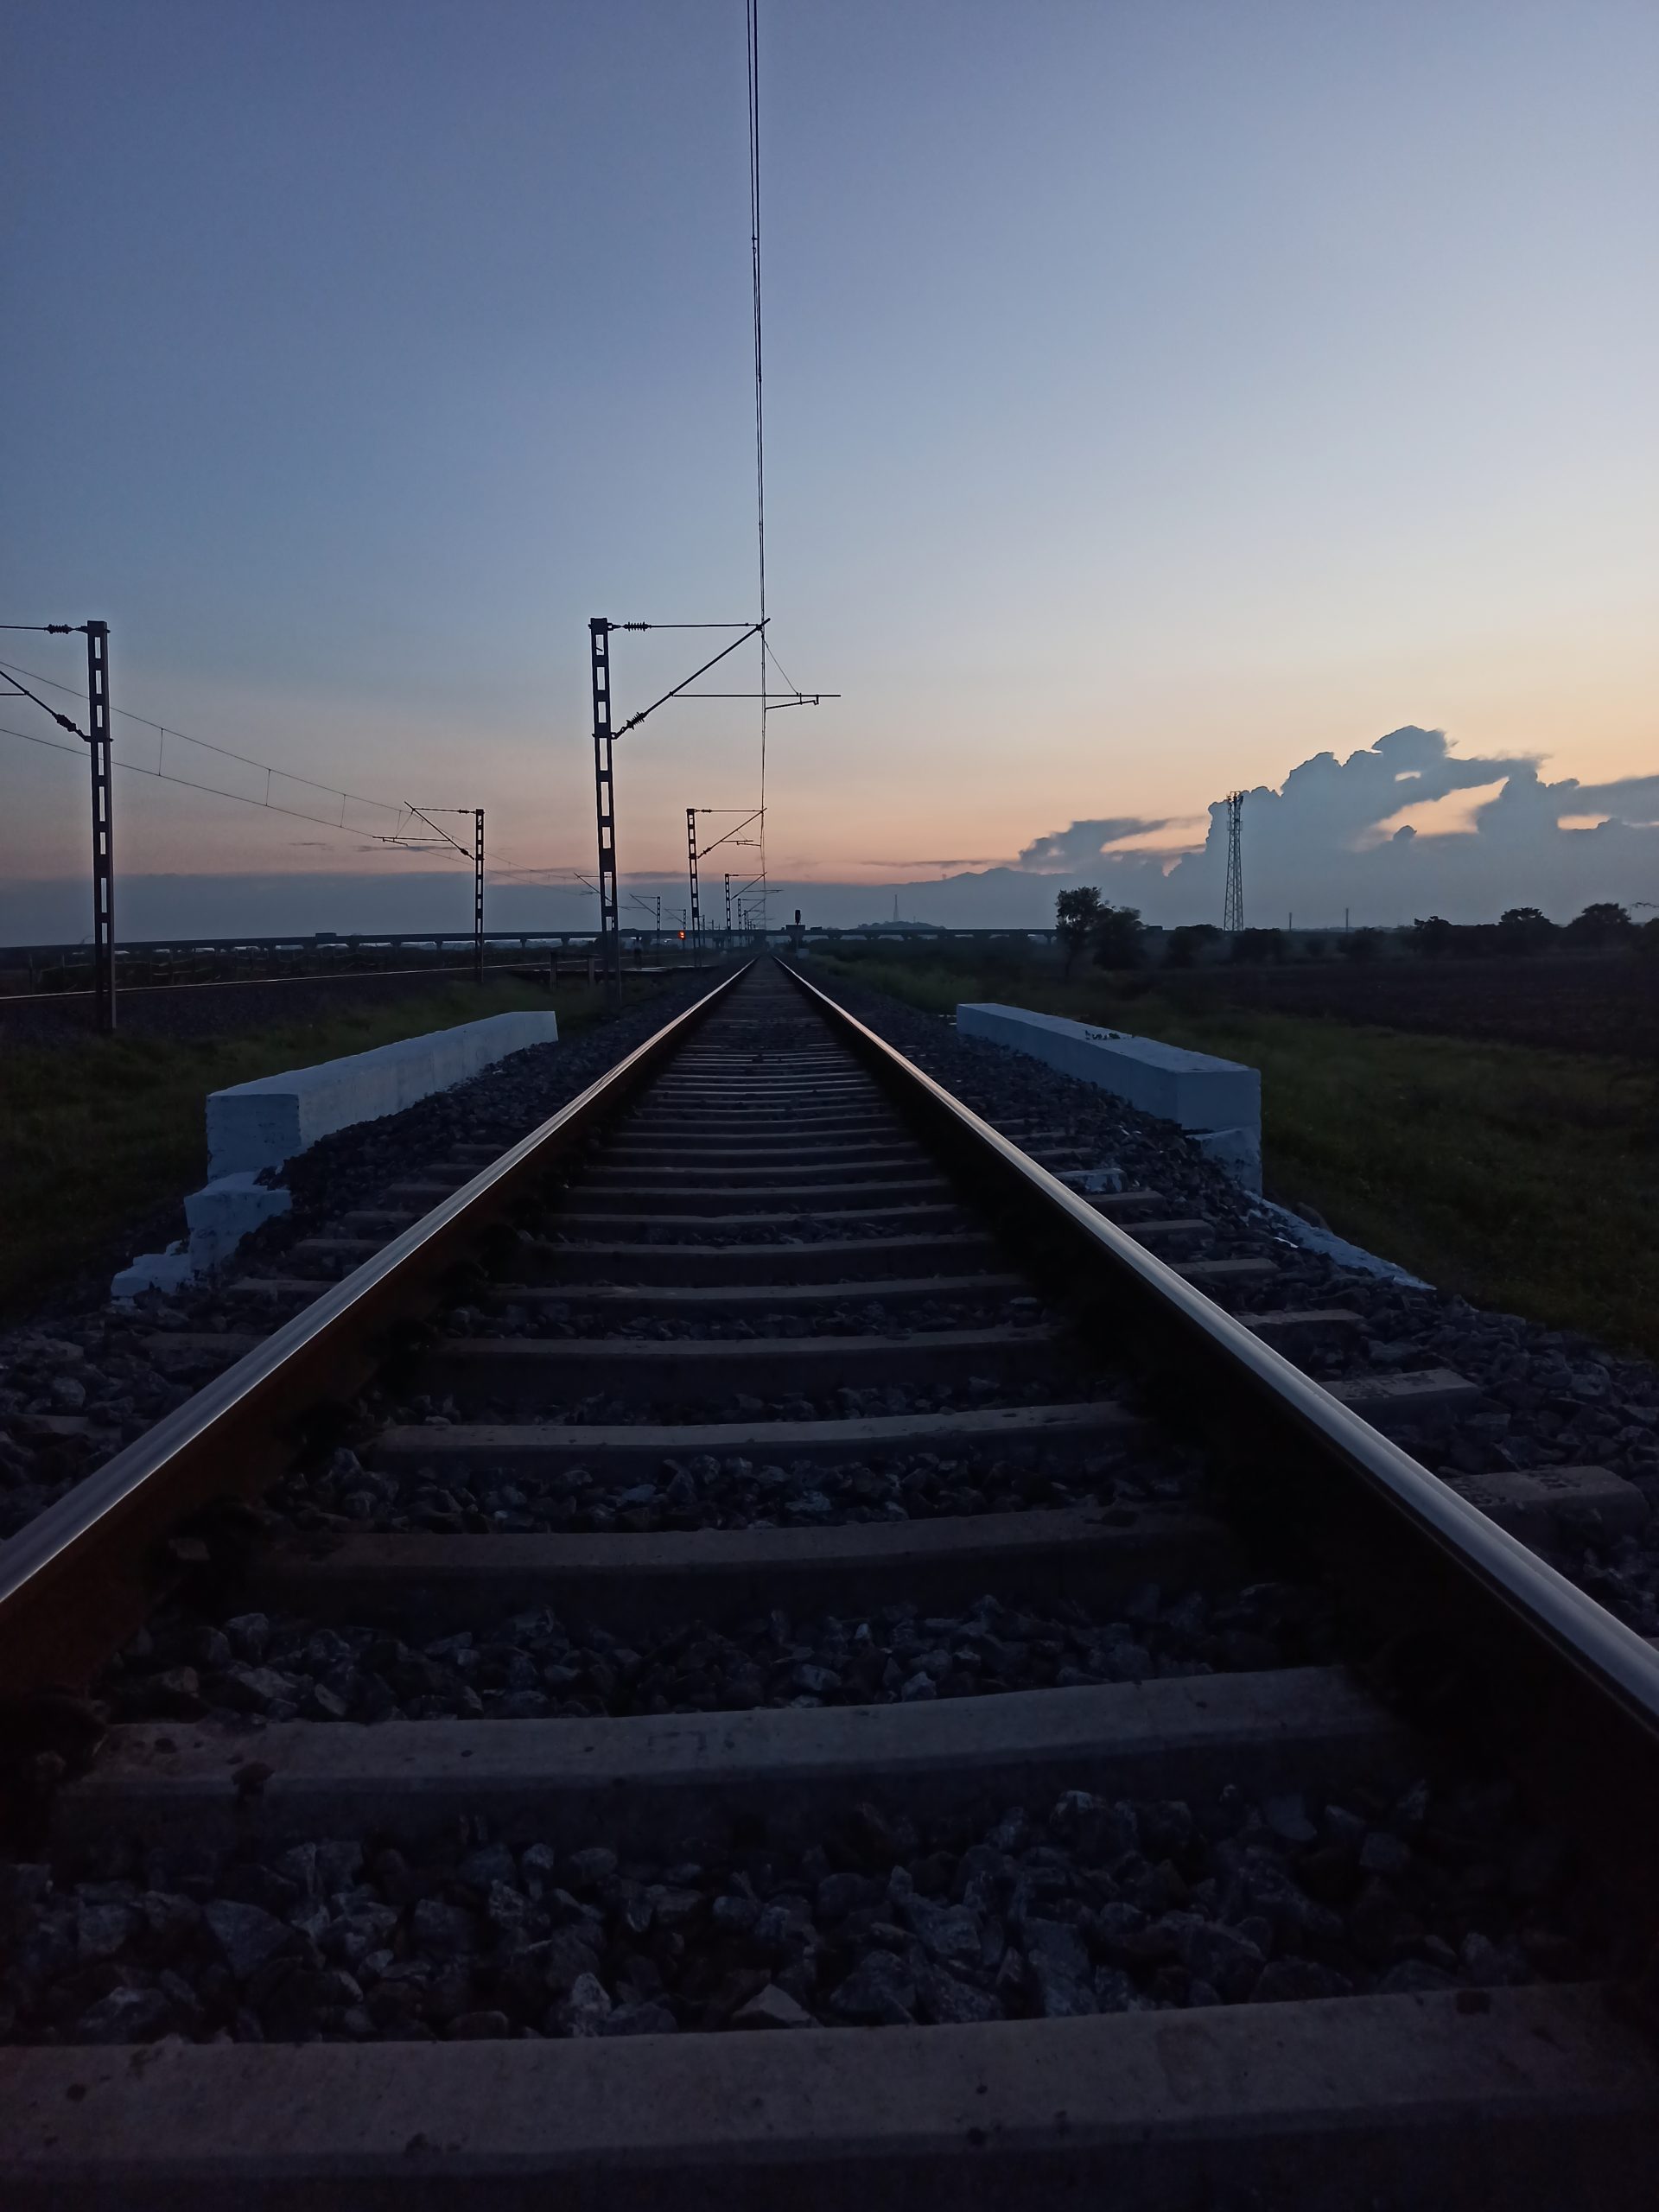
(861, 1313)
(1077, 1907)
(253, 1669)
(699, 1490)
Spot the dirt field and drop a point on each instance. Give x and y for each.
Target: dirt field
(1563, 1002)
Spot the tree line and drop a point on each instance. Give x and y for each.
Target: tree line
(1116, 936)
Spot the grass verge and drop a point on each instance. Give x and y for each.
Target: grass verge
(100, 1135)
(1523, 1179)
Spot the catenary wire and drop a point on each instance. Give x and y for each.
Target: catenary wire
(170, 729)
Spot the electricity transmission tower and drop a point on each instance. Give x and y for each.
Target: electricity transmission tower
(1232, 912)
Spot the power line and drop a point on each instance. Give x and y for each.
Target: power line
(186, 783)
(321, 821)
(165, 729)
(21, 691)
(752, 26)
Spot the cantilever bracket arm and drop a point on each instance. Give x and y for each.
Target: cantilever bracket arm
(731, 835)
(634, 721)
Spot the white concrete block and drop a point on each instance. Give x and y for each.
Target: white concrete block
(1325, 1241)
(260, 1124)
(164, 1271)
(1218, 1101)
(225, 1212)
(1193, 1090)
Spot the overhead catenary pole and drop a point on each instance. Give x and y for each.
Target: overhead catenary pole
(97, 731)
(478, 894)
(610, 935)
(695, 924)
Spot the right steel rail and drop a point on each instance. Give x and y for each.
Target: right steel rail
(1536, 1668)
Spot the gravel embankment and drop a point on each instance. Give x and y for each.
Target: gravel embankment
(76, 1388)
(1553, 1398)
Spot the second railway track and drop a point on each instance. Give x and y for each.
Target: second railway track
(766, 1642)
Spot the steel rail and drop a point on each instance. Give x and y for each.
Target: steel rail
(1573, 1689)
(79, 1577)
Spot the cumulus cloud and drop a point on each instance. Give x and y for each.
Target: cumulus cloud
(1084, 841)
(1402, 827)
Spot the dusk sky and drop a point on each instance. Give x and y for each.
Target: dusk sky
(1159, 396)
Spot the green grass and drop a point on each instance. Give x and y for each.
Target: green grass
(97, 1135)
(1525, 1181)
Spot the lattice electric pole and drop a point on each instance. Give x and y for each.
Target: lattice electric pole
(98, 730)
(728, 911)
(610, 931)
(1232, 912)
(695, 923)
(478, 894)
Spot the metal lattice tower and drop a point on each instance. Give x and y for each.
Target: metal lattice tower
(1232, 912)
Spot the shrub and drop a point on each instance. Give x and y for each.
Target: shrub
(1186, 943)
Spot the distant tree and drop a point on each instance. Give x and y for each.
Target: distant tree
(1118, 937)
(1312, 948)
(1250, 947)
(1432, 937)
(1647, 936)
(1361, 945)
(1076, 914)
(1186, 943)
(1525, 929)
(1600, 924)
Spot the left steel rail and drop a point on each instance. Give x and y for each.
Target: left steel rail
(76, 1580)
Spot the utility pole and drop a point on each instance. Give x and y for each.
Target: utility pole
(478, 894)
(1232, 915)
(98, 729)
(610, 935)
(695, 924)
(728, 910)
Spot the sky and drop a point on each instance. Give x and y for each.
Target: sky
(1161, 400)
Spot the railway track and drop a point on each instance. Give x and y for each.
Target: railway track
(771, 1639)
